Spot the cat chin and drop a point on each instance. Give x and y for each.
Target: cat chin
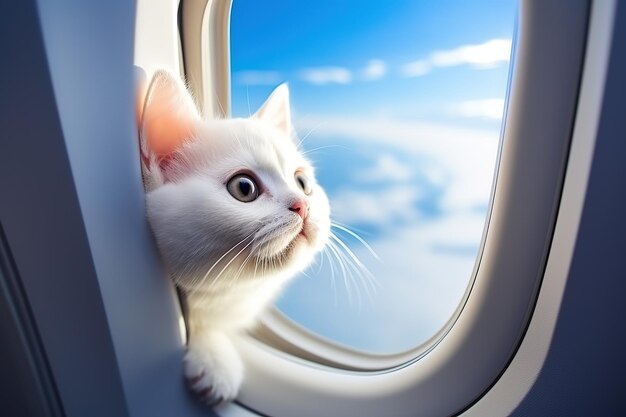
(293, 258)
(297, 251)
(301, 249)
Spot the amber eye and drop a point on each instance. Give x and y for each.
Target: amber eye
(303, 182)
(243, 188)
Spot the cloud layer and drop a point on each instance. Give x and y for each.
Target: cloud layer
(481, 56)
(463, 158)
(375, 70)
(387, 167)
(326, 75)
(426, 261)
(491, 108)
(258, 77)
(380, 208)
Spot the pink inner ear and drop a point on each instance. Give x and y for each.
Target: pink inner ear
(165, 131)
(169, 116)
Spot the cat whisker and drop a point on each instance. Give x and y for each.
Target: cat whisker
(230, 262)
(352, 228)
(369, 278)
(216, 280)
(224, 255)
(356, 275)
(357, 262)
(256, 265)
(243, 265)
(201, 281)
(314, 128)
(333, 284)
(335, 252)
(358, 266)
(320, 264)
(308, 151)
(352, 268)
(356, 236)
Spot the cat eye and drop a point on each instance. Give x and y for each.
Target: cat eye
(243, 188)
(303, 182)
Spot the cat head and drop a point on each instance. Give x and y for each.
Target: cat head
(228, 200)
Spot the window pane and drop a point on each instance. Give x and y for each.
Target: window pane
(399, 106)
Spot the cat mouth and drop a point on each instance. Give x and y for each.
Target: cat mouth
(285, 244)
(304, 234)
(300, 237)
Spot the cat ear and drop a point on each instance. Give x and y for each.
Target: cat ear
(168, 118)
(276, 111)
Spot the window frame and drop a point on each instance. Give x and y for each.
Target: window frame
(522, 373)
(205, 44)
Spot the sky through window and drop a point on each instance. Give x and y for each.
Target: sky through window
(400, 104)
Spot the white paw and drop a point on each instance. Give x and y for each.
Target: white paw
(213, 369)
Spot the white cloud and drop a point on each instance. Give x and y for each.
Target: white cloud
(326, 75)
(258, 77)
(460, 228)
(379, 207)
(426, 262)
(462, 159)
(420, 285)
(375, 70)
(485, 55)
(491, 108)
(386, 168)
(417, 68)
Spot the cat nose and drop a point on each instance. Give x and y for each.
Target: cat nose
(301, 208)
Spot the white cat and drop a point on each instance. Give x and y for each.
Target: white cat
(236, 213)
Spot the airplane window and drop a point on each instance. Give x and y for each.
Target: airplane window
(399, 106)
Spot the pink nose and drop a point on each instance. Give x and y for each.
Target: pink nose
(301, 208)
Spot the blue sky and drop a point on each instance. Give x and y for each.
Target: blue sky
(401, 103)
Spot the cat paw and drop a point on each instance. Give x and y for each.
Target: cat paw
(214, 375)
(202, 386)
